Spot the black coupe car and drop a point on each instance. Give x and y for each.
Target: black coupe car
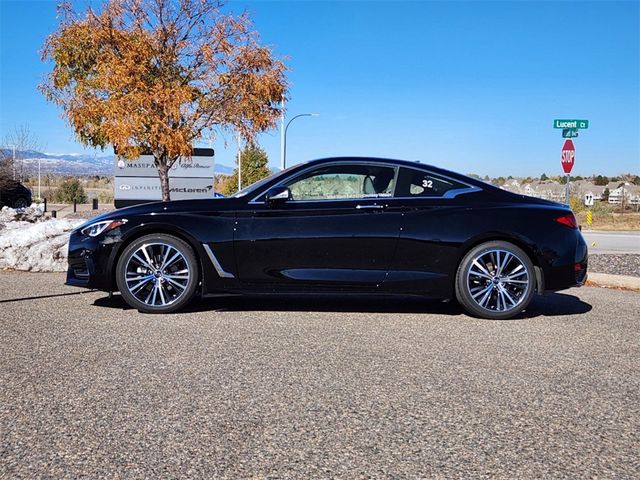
(347, 225)
(15, 195)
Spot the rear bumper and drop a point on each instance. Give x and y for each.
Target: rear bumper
(569, 266)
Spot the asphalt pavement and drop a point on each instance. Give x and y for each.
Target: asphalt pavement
(613, 242)
(315, 388)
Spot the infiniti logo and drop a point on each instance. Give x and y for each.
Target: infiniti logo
(125, 187)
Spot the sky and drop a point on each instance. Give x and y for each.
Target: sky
(472, 86)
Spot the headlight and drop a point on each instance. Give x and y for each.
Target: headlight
(97, 228)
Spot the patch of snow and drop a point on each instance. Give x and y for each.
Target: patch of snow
(32, 214)
(29, 241)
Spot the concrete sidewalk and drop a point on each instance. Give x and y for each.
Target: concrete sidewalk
(614, 281)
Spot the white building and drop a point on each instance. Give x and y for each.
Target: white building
(626, 190)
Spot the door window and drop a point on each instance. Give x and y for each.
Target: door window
(343, 182)
(420, 183)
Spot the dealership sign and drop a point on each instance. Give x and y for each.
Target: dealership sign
(137, 181)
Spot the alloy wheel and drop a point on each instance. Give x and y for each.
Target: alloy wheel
(498, 280)
(157, 274)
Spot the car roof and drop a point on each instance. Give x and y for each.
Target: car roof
(400, 163)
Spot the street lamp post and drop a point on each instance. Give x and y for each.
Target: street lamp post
(284, 137)
(14, 161)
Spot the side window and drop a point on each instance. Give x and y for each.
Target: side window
(419, 183)
(337, 182)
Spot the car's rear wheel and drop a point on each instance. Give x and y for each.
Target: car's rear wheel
(20, 202)
(157, 273)
(495, 280)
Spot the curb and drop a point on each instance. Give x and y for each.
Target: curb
(613, 281)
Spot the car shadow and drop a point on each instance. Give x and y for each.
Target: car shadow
(40, 297)
(553, 304)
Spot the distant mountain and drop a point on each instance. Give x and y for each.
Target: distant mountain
(74, 163)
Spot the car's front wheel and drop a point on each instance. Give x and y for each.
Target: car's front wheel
(157, 273)
(495, 280)
(20, 202)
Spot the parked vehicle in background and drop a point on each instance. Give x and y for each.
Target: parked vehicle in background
(15, 195)
(347, 225)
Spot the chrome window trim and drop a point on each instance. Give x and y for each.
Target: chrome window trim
(396, 169)
(453, 193)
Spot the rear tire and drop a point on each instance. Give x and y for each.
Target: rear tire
(157, 273)
(495, 280)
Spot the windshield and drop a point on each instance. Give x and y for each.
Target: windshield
(257, 185)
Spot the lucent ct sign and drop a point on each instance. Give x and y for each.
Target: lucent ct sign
(137, 181)
(574, 124)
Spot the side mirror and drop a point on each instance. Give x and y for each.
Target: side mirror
(277, 196)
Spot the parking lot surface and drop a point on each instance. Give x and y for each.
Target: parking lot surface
(315, 388)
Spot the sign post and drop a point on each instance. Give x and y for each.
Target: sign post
(567, 160)
(588, 202)
(570, 130)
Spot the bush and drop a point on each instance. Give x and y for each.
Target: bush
(70, 190)
(576, 204)
(105, 197)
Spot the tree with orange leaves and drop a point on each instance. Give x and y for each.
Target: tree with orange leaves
(155, 75)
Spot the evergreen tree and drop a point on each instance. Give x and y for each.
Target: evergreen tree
(255, 166)
(69, 191)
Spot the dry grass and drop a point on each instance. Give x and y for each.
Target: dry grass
(610, 221)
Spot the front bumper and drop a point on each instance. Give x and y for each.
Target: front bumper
(91, 260)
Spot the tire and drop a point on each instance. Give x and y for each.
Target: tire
(151, 287)
(495, 280)
(20, 202)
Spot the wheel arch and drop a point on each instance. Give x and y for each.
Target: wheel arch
(155, 228)
(526, 245)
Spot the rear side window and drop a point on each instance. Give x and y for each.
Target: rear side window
(419, 183)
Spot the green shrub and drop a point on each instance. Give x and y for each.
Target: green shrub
(105, 197)
(70, 190)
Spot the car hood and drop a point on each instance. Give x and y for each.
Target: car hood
(175, 206)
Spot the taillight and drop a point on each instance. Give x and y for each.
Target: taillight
(568, 220)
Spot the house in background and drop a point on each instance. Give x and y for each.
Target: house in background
(626, 191)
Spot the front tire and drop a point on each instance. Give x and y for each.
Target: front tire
(20, 202)
(157, 273)
(495, 280)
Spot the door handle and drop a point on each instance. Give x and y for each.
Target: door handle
(370, 207)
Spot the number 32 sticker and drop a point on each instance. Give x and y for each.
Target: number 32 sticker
(427, 183)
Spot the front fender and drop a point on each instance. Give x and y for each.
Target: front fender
(195, 232)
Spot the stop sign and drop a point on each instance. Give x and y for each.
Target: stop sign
(568, 156)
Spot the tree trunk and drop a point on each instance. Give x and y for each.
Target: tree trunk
(163, 173)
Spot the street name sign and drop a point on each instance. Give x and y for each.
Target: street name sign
(568, 157)
(569, 132)
(571, 124)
